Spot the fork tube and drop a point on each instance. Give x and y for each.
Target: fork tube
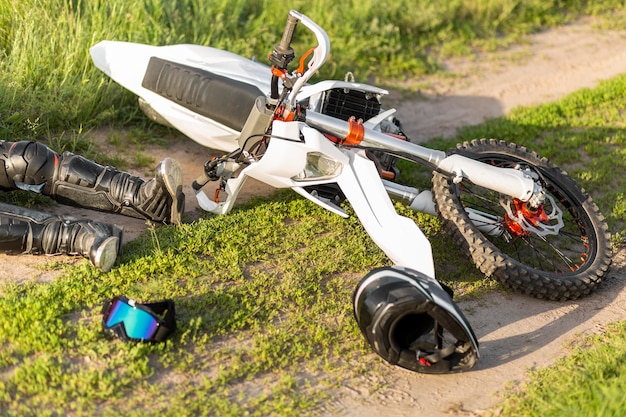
(508, 181)
(374, 139)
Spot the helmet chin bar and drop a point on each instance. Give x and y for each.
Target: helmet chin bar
(411, 321)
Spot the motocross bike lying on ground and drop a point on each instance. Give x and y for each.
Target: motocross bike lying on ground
(522, 220)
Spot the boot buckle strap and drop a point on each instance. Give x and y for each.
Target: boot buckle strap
(64, 237)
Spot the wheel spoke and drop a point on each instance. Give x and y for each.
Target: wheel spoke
(542, 255)
(559, 250)
(553, 254)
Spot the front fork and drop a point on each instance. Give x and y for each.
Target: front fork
(223, 169)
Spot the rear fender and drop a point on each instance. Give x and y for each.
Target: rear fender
(126, 63)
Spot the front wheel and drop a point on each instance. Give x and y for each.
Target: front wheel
(559, 251)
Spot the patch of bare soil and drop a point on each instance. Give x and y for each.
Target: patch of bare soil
(515, 332)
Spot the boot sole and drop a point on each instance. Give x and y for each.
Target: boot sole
(170, 172)
(106, 254)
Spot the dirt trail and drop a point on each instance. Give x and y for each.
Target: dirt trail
(515, 332)
(552, 64)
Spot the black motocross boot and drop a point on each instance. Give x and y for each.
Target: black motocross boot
(81, 182)
(75, 180)
(24, 230)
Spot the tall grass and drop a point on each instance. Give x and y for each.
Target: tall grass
(47, 81)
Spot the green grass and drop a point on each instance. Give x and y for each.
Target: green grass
(263, 294)
(48, 82)
(264, 315)
(589, 382)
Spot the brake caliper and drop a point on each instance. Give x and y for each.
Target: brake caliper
(524, 219)
(534, 216)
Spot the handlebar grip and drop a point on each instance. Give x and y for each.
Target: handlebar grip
(284, 47)
(283, 53)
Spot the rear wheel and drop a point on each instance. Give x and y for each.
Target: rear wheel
(559, 250)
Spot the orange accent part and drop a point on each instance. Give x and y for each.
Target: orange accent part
(281, 114)
(355, 133)
(401, 137)
(278, 112)
(388, 175)
(282, 74)
(302, 58)
(216, 196)
(534, 217)
(514, 227)
(289, 116)
(331, 138)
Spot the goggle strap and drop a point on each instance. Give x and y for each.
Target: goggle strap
(168, 324)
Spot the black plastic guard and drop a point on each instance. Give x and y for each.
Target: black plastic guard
(219, 98)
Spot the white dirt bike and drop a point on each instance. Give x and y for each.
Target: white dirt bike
(521, 220)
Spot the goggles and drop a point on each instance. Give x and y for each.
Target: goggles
(131, 321)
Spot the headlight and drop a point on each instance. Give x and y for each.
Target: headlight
(319, 166)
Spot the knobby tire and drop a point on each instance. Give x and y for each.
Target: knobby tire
(566, 266)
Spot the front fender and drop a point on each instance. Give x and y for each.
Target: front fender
(398, 236)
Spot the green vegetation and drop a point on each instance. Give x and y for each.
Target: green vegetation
(50, 85)
(264, 315)
(590, 382)
(263, 294)
(263, 312)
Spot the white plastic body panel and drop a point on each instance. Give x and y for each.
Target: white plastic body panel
(126, 64)
(398, 236)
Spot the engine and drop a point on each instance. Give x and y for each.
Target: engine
(344, 103)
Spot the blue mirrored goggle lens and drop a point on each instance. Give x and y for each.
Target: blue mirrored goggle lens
(138, 324)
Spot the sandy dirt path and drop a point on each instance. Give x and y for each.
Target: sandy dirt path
(552, 64)
(515, 332)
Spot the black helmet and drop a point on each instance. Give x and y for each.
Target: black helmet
(410, 320)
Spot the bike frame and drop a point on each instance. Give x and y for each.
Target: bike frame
(296, 146)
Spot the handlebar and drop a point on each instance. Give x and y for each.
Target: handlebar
(284, 47)
(283, 53)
